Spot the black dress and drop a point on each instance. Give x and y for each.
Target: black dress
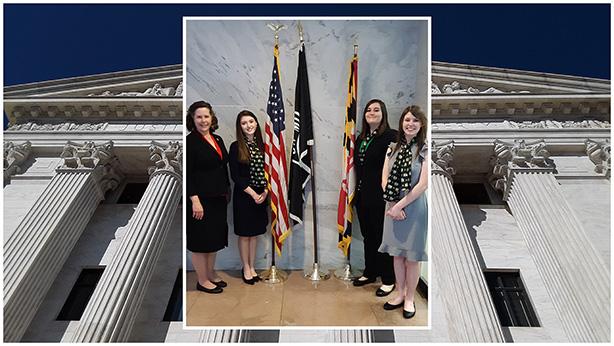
(370, 205)
(250, 219)
(206, 177)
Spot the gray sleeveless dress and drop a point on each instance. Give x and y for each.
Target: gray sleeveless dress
(407, 238)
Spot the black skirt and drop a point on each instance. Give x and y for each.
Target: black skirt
(210, 234)
(250, 219)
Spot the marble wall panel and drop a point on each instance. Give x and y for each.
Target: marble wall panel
(229, 64)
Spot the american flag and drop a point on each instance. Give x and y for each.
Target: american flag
(275, 158)
(348, 181)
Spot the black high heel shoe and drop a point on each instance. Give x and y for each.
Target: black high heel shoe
(247, 281)
(409, 314)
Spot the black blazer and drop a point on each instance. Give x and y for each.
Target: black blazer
(369, 176)
(239, 172)
(207, 174)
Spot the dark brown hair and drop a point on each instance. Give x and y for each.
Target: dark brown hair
(243, 150)
(421, 135)
(383, 125)
(192, 110)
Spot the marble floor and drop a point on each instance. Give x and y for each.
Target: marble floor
(295, 302)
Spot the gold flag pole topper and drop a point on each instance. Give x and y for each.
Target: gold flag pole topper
(276, 29)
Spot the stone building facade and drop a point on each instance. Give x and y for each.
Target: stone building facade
(520, 184)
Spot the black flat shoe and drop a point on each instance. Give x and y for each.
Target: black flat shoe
(217, 289)
(389, 306)
(409, 314)
(247, 281)
(220, 283)
(358, 283)
(256, 278)
(381, 293)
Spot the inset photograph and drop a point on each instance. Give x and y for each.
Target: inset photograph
(306, 172)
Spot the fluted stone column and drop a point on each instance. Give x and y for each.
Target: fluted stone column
(113, 307)
(351, 336)
(574, 274)
(221, 335)
(35, 253)
(14, 156)
(470, 313)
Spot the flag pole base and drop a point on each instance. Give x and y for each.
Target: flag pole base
(273, 275)
(315, 274)
(346, 273)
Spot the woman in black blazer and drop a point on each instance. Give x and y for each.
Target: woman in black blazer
(208, 194)
(369, 155)
(249, 196)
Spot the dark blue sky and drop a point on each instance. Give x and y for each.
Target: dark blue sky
(43, 42)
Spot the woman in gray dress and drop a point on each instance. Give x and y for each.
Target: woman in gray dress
(404, 180)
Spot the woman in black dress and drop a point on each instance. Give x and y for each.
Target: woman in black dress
(249, 194)
(208, 192)
(370, 152)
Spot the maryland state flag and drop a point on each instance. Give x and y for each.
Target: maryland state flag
(275, 167)
(346, 195)
(300, 166)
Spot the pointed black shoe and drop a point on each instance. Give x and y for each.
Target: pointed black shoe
(389, 306)
(409, 314)
(217, 289)
(381, 293)
(220, 283)
(247, 281)
(358, 283)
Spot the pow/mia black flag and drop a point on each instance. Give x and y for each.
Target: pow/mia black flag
(300, 167)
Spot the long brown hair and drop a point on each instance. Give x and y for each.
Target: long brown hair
(243, 150)
(192, 110)
(421, 135)
(383, 125)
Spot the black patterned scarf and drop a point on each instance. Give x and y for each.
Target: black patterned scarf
(256, 165)
(400, 175)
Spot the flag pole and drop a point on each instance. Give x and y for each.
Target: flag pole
(315, 274)
(346, 273)
(274, 275)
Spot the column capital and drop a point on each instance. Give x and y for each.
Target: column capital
(89, 156)
(14, 156)
(86, 155)
(442, 154)
(167, 157)
(520, 156)
(599, 154)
